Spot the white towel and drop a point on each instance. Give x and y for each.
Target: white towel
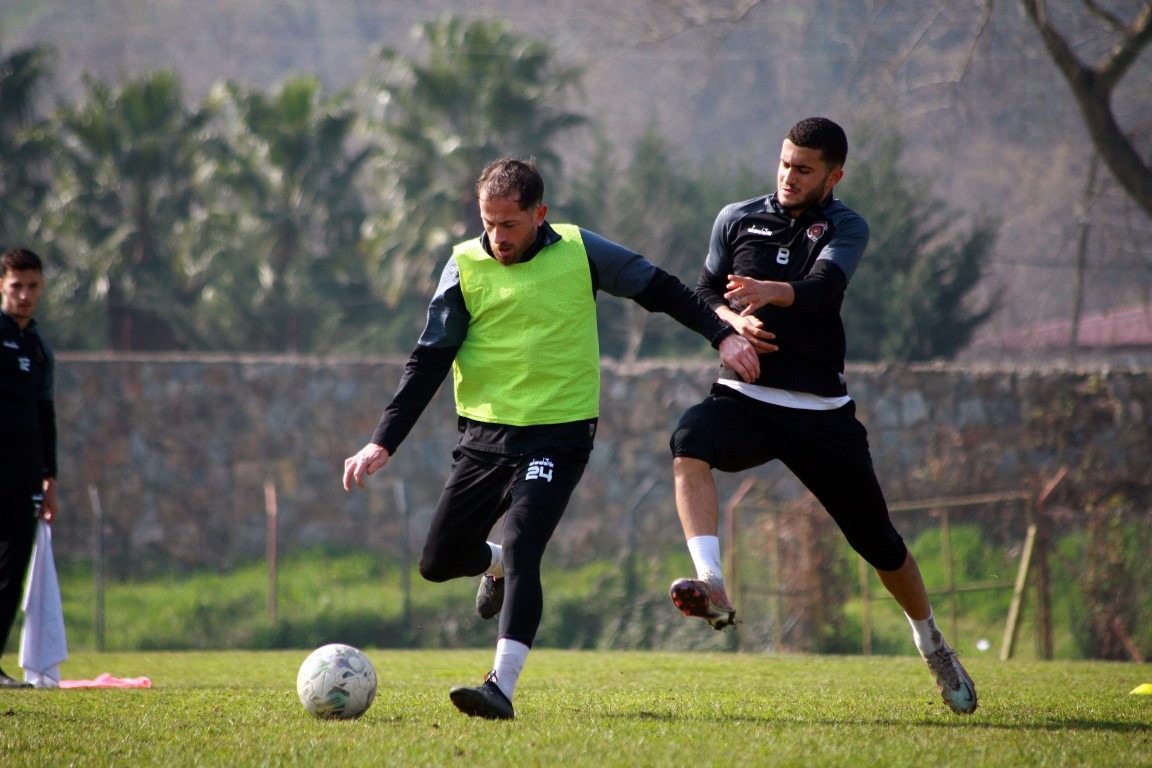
(43, 646)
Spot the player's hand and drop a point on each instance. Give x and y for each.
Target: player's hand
(369, 459)
(49, 504)
(737, 353)
(747, 295)
(752, 329)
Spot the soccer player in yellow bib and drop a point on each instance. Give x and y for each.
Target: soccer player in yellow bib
(514, 319)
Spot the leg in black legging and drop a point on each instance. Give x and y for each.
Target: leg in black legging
(472, 501)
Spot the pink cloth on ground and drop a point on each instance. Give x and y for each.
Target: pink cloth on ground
(107, 681)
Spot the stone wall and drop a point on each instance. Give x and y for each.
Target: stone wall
(180, 450)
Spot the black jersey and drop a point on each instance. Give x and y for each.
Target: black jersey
(817, 254)
(27, 413)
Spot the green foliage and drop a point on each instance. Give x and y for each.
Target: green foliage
(24, 151)
(297, 221)
(974, 560)
(661, 206)
(243, 224)
(126, 163)
(479, 92)
(360, 596)
(1087, 590)
(633, 710)
(285, 191)
(320, 595)
(914, 296)
(1111, 559)
(981, 614)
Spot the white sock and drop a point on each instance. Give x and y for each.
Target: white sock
(510, 658)
(705, 551)
(497, 566)
(926, 635)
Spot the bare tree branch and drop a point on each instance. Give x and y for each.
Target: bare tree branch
(700, 13)
(694, 14)
(917, 35)
(1092, 84)
(1133, 39)
(1102, 14)
(981, 28)
(1092, 87)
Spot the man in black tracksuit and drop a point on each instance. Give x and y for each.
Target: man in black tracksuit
(781, 263)
(27, 431)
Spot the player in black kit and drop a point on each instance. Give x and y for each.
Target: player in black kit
(781, 263)
(27, 431)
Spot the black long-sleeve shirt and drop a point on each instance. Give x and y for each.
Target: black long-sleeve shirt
(817, 254)
(27, 407)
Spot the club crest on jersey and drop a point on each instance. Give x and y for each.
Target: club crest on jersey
(817, 230)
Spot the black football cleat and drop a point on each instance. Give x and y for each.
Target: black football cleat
(486, 701)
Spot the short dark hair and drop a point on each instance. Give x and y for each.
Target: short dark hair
(822, 134)
(17, 259)
(512, 179)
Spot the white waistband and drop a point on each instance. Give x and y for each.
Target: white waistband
(805, 401)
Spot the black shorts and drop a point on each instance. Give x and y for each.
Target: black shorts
(826, 450)
(531, 492)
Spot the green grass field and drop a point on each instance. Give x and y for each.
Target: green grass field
(584, 709)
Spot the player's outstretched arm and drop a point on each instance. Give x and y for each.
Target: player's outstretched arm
(367, 460)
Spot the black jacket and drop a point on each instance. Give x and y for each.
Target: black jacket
(817, 254)
(27, 408)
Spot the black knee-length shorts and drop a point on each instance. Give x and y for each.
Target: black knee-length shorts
(826, 450)
(531, 492)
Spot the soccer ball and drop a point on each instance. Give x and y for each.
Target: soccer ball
(336, 682)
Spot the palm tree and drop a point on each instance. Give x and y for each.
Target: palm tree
(23, 177)
(480, 93)
(126, 168)
(294, 173)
